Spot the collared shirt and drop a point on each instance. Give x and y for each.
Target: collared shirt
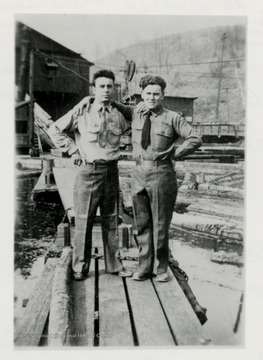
(166, 129)
(86, 128)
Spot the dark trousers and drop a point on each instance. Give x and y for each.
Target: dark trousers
(96, 186)
(154, 191)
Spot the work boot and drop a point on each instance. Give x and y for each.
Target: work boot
(125, 273)
(141, 277)
(164, 277)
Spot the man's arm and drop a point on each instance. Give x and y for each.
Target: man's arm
(85, 102)
(125, 110)
(192, 141)
(57, 132)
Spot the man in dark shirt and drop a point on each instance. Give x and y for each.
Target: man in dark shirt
(154, 185)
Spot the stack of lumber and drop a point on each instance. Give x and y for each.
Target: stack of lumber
(233, 179)
(212, 196)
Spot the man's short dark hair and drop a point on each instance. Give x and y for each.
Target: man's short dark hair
(152, 80)
(103, 73)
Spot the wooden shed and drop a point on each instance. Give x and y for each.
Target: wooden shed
(52, 75)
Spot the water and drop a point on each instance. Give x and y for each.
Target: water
(35, 227)
(217, 287)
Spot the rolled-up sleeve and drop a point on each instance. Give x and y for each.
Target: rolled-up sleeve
(192, 141)
(57, 133)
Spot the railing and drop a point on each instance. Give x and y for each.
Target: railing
(220, 129)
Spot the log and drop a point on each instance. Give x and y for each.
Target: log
(188, 199)
(236, 184)
(230, 231)
(226, 176)
(182, 320)
(221, 191)
(182, 279)
(212, 191)
(61, 308)
(212, 208)
(30, 331)
(211, 168)
(221, 257)
(224, 181)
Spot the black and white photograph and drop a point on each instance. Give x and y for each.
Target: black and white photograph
(130, 180)
(130, 173)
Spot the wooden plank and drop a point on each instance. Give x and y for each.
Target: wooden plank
(31, 328)
(151, 326)
(42, 187)
(115, 325)
(61, 308)
(182, 319)
(65, 178)
(83, 310)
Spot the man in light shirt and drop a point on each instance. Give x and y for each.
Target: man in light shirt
(97, 134)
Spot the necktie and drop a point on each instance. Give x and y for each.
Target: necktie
(103, 128)
(146, 132)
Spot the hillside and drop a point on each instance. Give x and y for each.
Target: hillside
(208, 64)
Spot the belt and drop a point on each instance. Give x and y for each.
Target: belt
(153, 162)
(101, 162)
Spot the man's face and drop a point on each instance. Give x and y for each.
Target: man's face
(152, 96)
(103, 90)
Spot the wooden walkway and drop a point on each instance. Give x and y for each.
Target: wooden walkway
(106, 310)
(111, 311)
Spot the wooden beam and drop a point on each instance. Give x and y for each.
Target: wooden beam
(31, 94)
(30, 331)
(61, 308)
(183, 321)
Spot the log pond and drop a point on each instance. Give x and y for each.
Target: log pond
(218, 286)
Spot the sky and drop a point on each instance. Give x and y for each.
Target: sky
(94, 36)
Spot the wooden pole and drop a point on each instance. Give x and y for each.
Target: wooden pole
(223, 38)
(31, 94)
(24, 45)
